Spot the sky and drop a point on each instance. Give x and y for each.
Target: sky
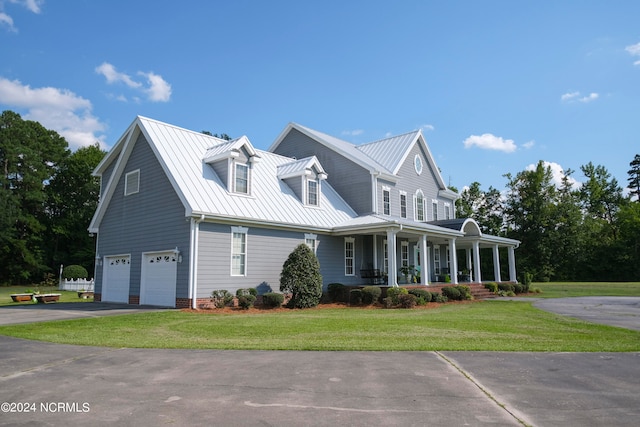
(495, 86)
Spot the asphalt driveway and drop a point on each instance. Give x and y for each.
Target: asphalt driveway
(52, 384)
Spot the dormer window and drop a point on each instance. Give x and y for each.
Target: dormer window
(241, 179)
(312, 192)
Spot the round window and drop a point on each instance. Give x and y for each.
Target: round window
(418, 164)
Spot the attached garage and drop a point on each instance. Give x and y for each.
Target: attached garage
(158, 279)
(115, 278)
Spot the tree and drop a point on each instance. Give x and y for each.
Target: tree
(221, 136)
(634, 178)
(485, 207)
(301, 278)
(72, 198)
(29, 157)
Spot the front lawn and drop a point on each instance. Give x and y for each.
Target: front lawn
(474, 326)
(587, 289)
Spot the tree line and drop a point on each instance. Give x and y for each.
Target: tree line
(48, 196)
(584, 232)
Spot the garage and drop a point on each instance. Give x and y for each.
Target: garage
(115, 278)
(158, 279)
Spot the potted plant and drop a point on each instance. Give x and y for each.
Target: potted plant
(406, 271)
(46, 298)
(27, 295)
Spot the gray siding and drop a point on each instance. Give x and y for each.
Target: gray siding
(267, 250)
(295, 184)
(150, 220)
(350, 180)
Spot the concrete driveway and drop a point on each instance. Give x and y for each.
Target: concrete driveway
(52, 384)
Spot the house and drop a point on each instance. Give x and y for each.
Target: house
(182, 213)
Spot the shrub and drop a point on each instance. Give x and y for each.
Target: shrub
(336, 292)
(407, 300)
(518, 288)
(507, 287)
(272, 299)
(423, 296)
(395, 292)
(465, 292)
(246, 291)
(492, 286)
(74, 272)
(221, 298)
(370, 294)
(301, 278)
(246, 301)
(536, 290)
(438, 297)
(355, 297)
(451, 292)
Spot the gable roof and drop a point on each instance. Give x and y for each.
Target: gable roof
(181, 154)
(301, 167)
(384, 156)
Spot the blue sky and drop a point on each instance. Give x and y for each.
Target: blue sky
(495, 86)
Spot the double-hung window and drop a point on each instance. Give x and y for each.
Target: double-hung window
(312, 192)
(420, 206)
(241, 179)
(349, 256)
(239, 251)
(403, 205)
(404, 254)
(386, 201)
(132, 182)
(312, 241)
(434, 208)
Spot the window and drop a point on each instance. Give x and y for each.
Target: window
(385, 250)
(417, 163)
(448, 260)
(436, 259)
(239, 251)
(132, 182)
(349, 256)
(434, 208)
(447, 211)
(242, 179)
(404, 254)
(386, 201)
(419, 206)
(312, 241)
(403, 205)
(312, 193)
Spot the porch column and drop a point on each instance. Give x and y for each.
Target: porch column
(424, 261)
(496, 264)
(375, 251)
(512, 264)
(454, 261)
(477, 277)
(469, 265)
(391, 256)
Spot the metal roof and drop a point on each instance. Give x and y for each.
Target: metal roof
(390, 152)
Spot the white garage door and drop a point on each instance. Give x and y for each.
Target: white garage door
(158, 284)
(115, 279)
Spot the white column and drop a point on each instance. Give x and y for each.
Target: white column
(453, 254)
(477, 277)
(424, 261)
(375, 251)
(469, 265)
(496, 264)
(391, 256)
(512, 264)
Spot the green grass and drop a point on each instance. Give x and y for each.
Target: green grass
(66, 296)
(477, 326)
(585, 289)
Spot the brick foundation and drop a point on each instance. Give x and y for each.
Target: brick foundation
(97, 297)
(134, 299)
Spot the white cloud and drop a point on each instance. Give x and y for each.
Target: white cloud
(557, 173)
(157, 89)
(634, 50)
(58, 109)
(427, 127)
(354, 132)
(577, 96)
(488, 141)
(7, 21)
(529, 144)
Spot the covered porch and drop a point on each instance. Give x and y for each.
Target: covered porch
(395, 252)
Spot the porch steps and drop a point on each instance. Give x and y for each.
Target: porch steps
(478, 291)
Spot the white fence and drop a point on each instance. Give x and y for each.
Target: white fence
(76, 285)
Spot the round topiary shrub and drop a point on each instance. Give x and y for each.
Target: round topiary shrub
(407, 300)
(451, 293)
(370, 294)
(355, 297)
(301, 278)
(74, 272)
(423, 296)
(394, 293)
(246, 301)
(272, 299)
(221, 298)
(336, 292)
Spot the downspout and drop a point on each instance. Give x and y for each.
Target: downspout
(193, 261)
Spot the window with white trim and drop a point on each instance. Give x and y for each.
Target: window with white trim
(349, 256)
(419, 207)
(403, 204)
(404, 254)
(386, 201)
(447, 211)
(311, 240)
(241, 181)
(436, 259)
(132, 182)
(385, 255)
(239, 251)
(448, 260)
(434, 209)
(312, 192)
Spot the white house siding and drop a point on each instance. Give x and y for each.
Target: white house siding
(350, 180)
(150, 220)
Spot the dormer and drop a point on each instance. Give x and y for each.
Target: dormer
(304, 177)
(233, 161)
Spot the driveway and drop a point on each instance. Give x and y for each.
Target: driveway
(52, 384)
(623, 312)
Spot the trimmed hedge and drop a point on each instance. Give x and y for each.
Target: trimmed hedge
(422, 295)
(355, 297)
(272, 299)
(371, 294)
(394, 293)
(492, 286)
(75, 272)
(337, 292)
(221, 298)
